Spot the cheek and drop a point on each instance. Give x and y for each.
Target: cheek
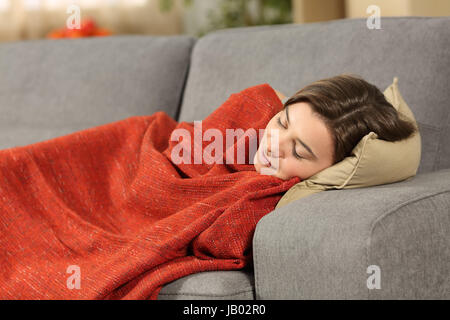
(290, 167)
(294, 168)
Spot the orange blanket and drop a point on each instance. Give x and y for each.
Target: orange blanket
(105, 213)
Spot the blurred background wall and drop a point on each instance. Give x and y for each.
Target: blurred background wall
(356, 8)
(35, 19)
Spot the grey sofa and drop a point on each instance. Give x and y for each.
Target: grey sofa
(319, 247)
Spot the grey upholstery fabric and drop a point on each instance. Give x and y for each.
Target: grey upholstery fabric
(288, 57)
(321, 246)
(50, 88)
(213, 285)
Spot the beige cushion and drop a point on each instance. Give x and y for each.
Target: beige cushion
(372, 162)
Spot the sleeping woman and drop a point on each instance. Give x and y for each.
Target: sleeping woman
(105, 213)
(321, 124)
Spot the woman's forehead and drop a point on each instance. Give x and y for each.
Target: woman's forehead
(309, 127)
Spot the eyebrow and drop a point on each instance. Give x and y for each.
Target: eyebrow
(298, 139)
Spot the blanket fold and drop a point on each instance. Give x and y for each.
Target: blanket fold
(107, 213)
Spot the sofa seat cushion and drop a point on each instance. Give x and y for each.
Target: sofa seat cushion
(211, 285)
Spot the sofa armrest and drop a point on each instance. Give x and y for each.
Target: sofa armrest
(321, 246)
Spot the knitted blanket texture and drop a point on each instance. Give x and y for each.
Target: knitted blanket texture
(105, 213)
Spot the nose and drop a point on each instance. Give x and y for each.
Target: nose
(276, 150)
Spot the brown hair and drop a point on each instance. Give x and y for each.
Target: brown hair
(350, 108)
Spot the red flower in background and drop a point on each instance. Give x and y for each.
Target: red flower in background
(88, 28)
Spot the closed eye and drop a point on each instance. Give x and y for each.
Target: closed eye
(293, 149)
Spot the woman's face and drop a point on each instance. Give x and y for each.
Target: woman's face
(294, 125)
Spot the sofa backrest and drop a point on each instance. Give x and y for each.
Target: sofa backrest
(49, 88)
(288, 57)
